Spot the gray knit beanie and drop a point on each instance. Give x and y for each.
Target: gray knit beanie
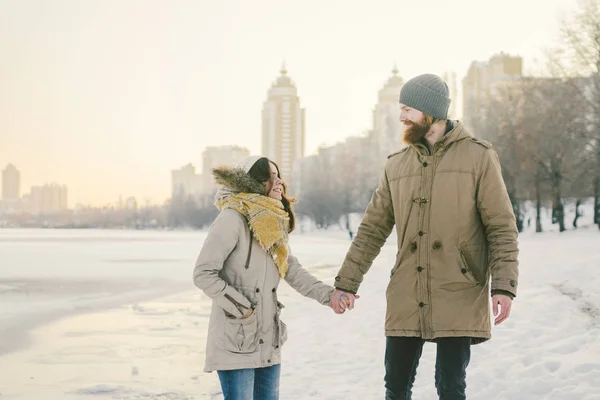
(427, 93)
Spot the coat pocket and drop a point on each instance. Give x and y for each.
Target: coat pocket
(282, 333)
(241, 334)
(234, 301)
(396, 265)
(401, 255)
(465, 268)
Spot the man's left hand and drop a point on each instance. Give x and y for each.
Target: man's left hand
(505, 302)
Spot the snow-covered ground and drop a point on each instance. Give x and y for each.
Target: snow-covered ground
(114, 315)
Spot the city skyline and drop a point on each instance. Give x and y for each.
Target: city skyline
(44, 198)
(126, 94)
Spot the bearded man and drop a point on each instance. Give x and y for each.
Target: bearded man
(456, 232)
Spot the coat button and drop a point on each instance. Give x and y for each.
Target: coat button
(421, 304)
(269, 361)
(421, 233)
(257, 290)
(425, 164)
(419, 269)
(261, 341)
(437, 245)
(273, 290)
(463, 270)
(413, 247)
(513, 283)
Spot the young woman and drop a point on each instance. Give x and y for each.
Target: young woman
(245, 255)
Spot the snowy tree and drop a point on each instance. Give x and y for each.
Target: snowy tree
(578, 55)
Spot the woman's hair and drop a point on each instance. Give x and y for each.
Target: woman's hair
(261, 171)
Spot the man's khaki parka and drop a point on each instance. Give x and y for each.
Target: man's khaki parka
(456, 229)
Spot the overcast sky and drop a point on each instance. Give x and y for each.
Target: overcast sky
(109, 96)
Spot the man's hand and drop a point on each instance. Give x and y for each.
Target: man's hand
(340, 301)
(505, 302)
(248, 313)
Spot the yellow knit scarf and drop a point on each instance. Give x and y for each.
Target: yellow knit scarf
(268, 221)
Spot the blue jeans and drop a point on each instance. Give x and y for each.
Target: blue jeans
(402, 356)
(251, 384)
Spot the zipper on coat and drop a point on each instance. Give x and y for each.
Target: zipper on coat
(249, 251)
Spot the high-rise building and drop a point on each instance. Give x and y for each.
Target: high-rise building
(450, 79)
(47, 199)
(283, 124)
(185, 182)
(11, 183)
(386, 115)
(217, 156)
(482, 79)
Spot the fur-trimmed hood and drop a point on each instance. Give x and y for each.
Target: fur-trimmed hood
(235, 180)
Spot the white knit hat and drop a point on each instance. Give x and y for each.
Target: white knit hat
(247, 162)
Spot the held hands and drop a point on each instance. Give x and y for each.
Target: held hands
(505, 303)
(341, 301)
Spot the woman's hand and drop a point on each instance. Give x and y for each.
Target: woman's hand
(248, 313)
(340, 301)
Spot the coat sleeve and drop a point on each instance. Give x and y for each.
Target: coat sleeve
(376, 226)
(497, 215)
(305, 283)
(222, 239)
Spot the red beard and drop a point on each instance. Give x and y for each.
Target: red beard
(415, 131)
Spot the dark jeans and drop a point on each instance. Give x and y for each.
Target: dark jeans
(402, 356)
(251, 384)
